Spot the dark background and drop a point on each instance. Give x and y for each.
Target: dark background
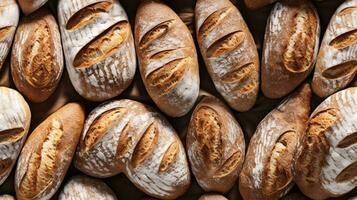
(123, 188)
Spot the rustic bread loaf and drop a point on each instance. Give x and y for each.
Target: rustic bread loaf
(229, 51)
(268, 169)
(256, 4)
(327, 165)
(86, 188)
(167, 57)
(290, 47)
(98, 46)
(6, 197)
(215, 145)
(47, 154)
(29, 6)
(127, 136)
(37, 57)
(336, 64)
(9, 18)
(15, 118)
(212, 197)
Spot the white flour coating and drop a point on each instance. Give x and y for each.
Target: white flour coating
(339, 158)
(15, 113)
(86, 188)
(329, 56)
(232, 139)
(270, 129)
(109, 77)
(229, 22)
(177, 41)
(9, 17)
(101, 159)
(288, 36)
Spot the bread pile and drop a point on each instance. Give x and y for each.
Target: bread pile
(108, 99)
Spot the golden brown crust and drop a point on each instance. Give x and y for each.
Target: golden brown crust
(37, 61)
(330, 138)
(336, 64)
(138, 142)
(229, 52)
(215, 145)
(268, 169)
(167, 57)
(289, 56)
(48, 153)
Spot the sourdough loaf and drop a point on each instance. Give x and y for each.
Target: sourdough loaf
(290, 47)
(37, 57)
(48, 153)
(9, 18)
(268, 169)
(15, 118)
(229, 51)
(167, 57)
(98, 47)
(86, 188)
(215, 145)
(130, 137)
(327, 165)
(337, 60)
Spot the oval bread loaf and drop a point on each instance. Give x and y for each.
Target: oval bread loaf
(29, 6)
(128, 136)
(256, 4)
(37, 57)
(327, 165)
(268, 169)
(290, 47)
(229, 51)
(15, 118)
(167, 57)
(86, 188)
(9, 19)
(98, 46)
(215, 145)
(48, 153)
(336, 64)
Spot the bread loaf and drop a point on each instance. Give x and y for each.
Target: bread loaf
(37, 58)
(98, 47)
(6, 197)
(229, 51)
(215, 145)
(167, 57)
(290, 47)
(86, 188)
(9, 18)
(256, 4)
(15, 117)
(268, 169)
(127, 136)
(327, 165)
(29, 6)
(212, 197)
(47, 154)
(337, 60)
